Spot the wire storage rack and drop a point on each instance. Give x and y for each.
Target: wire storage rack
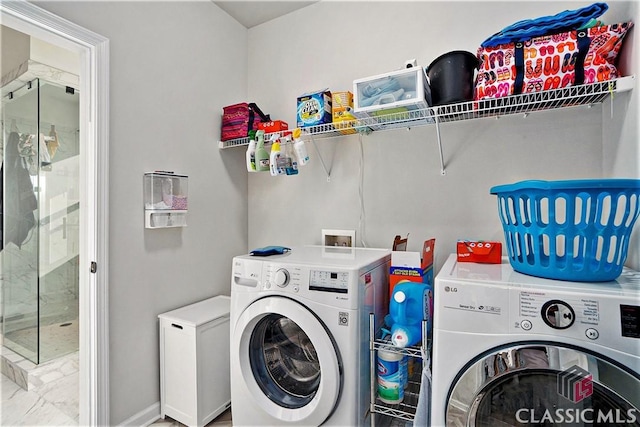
(572, 96)
(391, 415)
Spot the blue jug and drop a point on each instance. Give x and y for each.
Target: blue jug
(410, 304)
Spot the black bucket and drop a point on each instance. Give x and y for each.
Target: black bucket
(451, 77)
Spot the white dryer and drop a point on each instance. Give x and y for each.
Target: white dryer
(514, 350)
(300, 335)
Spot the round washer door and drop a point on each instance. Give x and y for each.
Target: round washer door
(543, 384)
(288, 361)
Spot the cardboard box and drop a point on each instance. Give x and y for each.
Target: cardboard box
(342, 112)
(341, 102)
(314, 108)
(479, 251)
(273, 126)
(412, 266)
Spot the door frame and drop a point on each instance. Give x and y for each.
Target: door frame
(93, 50)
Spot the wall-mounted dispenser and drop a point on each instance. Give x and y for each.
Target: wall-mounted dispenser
(165, 199)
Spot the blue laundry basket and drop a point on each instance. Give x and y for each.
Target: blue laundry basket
(569, 230)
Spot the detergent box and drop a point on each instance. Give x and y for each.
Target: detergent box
(314, 108)
(412, 266)
(479, 251)
(342, 112)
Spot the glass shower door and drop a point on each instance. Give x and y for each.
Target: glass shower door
(40, 274)
(19, 219)
(58, 256)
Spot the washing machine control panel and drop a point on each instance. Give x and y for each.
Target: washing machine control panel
(330, 281)
(557, 312)
(333, 286)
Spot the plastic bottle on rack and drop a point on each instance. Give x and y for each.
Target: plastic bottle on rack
(292, 160)
(274, 168)
(409, 305)
(301, 150)
(251, 156)
(262, 156)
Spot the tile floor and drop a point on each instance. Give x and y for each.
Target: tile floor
(223, 420)
(38, 408)
(35, 408)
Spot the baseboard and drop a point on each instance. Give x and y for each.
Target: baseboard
(145, 417)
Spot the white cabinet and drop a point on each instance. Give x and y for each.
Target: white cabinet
(194, 361)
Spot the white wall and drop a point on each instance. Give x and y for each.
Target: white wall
(15, 49)
(173, 66)
(329, 44)
(621, 146)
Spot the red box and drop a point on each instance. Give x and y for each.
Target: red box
(273, 126)
(481, 252)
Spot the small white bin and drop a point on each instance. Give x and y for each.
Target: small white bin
(195, 383)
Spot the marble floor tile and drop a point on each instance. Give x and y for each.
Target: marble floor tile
(27, 408)
(223, 420)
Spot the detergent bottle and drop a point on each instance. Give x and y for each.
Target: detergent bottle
(251, 156)
(262, 156)
(409, 306)
(274, 168)
(300, 149)
(292, 160)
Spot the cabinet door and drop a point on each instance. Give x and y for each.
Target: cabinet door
(179, 372)
(214, 379)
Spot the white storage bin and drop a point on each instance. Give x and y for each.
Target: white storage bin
(194, 361)
(400, 90)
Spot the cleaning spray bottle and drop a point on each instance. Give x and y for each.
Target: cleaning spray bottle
(251, 156)
(274, 168)
(291, 159)
(301, 150)
(262, 156)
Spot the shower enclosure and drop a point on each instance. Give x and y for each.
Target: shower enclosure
(40, 223)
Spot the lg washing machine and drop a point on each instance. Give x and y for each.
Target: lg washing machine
(300, 335)
(516, 350)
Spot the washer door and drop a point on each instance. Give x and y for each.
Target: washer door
(288, 361)
(543, 384)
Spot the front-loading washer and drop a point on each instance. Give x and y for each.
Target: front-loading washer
(300, 335)
(516, 350)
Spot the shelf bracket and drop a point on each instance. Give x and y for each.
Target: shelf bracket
(437, 117)
(324, 166)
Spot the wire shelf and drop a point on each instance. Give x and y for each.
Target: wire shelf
(406, 409)
(526, 103)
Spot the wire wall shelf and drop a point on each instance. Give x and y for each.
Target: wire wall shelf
(526, 103)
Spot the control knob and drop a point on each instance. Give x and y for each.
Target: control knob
(558, 314)
(281, 278)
